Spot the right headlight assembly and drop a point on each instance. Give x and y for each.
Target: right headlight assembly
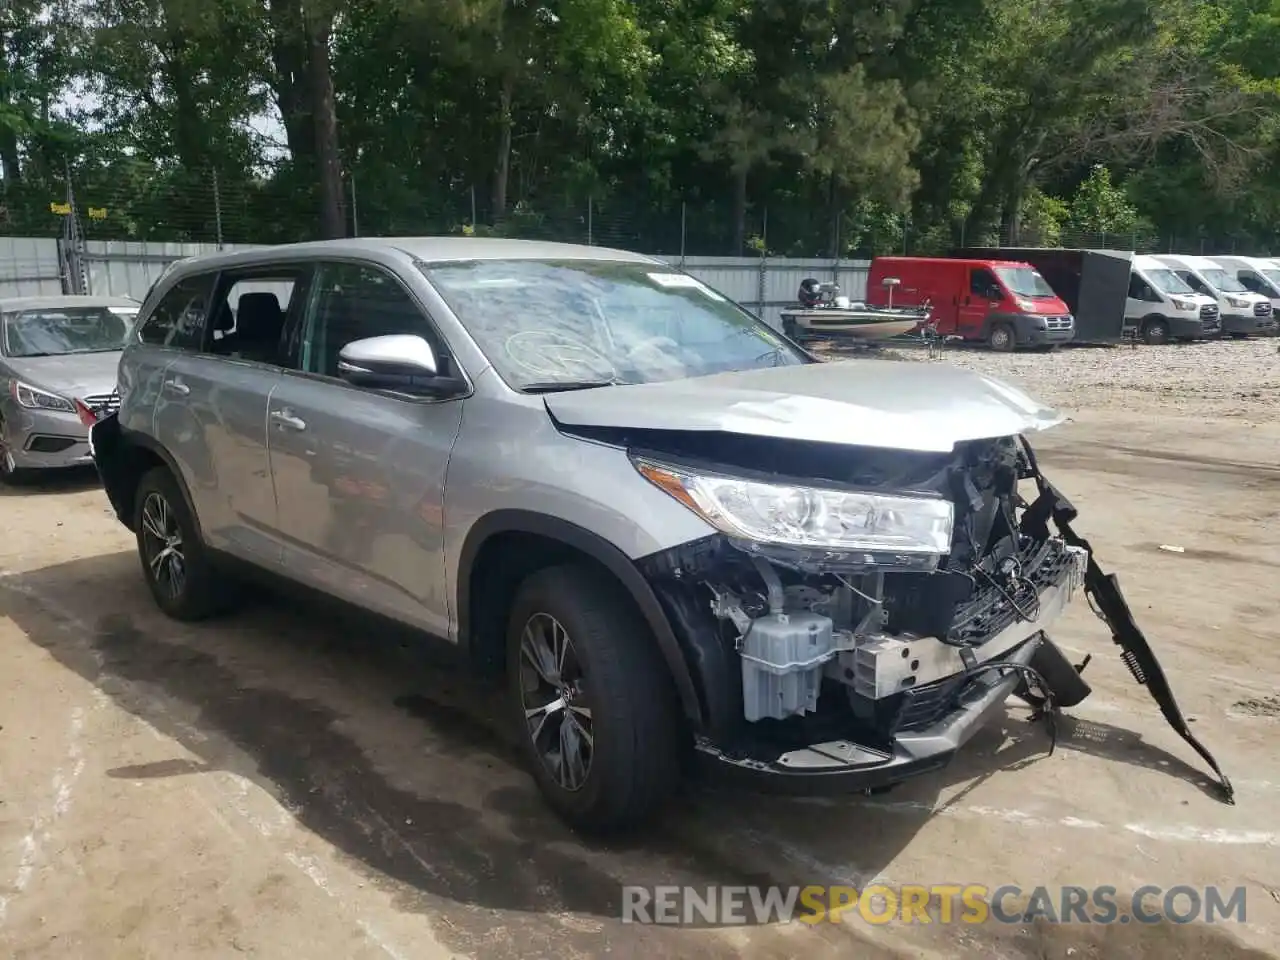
(809, 517)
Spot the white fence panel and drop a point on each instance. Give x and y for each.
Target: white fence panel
(128, 268)
(29, 267)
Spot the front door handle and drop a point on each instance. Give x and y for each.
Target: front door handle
(178, 387)
(286, 419)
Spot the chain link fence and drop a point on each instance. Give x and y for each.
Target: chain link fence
(275, 206)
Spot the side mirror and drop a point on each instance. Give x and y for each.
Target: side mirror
(400, 362)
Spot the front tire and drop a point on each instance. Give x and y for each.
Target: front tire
(10, 474)
(1155, 332)
(598, 719)
(1002, 338)
(175, 562)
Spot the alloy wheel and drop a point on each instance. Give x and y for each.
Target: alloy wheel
(557, 719)
(162, 545)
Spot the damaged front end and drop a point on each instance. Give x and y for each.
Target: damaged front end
(858, 629)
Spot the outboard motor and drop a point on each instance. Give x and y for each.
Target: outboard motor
(810, 293)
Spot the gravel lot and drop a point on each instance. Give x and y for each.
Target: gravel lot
(283, 784)
(1232, 379)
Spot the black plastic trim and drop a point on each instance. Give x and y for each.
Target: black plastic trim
(600, 550)
(914, 753)
(111, 445)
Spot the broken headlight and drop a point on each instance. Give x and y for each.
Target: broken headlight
(801, 516)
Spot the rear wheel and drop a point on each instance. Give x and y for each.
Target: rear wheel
(1002, 337)
(598, 716)
(1155, 331)
(175, 562)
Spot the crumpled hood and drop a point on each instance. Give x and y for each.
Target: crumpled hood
(73, 375)
(901, 405)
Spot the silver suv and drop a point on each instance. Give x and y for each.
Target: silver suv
(680, 536)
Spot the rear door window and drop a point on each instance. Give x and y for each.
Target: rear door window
(251, 311)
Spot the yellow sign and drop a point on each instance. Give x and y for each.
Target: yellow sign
(62, 209)
(97, 213)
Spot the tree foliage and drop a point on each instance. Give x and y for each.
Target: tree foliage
(796, 127)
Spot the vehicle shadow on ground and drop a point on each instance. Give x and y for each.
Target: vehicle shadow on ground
(71, 480)
(386, 751)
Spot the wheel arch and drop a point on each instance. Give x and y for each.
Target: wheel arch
(123, 458)
(561, 540)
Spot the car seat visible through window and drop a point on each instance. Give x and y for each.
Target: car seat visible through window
(259, 323)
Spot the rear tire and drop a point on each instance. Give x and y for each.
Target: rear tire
(598, 719)
(1002, 338)
(1155, 332)
(175, 563)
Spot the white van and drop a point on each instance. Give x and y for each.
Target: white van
(1243, 312)
(1161, 306)
(1259, 274)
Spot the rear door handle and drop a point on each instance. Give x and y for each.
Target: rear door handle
(177, 386)
(286, 419)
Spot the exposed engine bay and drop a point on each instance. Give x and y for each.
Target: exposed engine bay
(817, 656)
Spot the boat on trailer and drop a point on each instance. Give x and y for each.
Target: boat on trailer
(823, 314)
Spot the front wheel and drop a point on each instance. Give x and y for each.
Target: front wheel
(598, 714)
(10, 473)
(1002, 338)
(1155, 332)
(175, 562)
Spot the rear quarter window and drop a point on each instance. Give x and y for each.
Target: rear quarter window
(178, 320)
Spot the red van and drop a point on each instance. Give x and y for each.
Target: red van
(1003, 303)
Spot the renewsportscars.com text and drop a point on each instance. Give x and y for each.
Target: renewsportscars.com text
(935, 903)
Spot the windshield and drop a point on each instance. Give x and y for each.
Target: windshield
(1024, 282)
(66, 330)
(1166, 281)
(1273, 276)
(543, 323)
(1221, 280)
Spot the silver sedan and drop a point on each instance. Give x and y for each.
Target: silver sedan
(58, 359)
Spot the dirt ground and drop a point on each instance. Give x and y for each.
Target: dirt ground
(286, 784)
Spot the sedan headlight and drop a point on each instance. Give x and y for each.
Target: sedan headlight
(33, 398)
(796, 516)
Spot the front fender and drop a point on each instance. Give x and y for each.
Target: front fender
(603, 552)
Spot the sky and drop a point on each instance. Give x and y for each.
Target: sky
(268, 125)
